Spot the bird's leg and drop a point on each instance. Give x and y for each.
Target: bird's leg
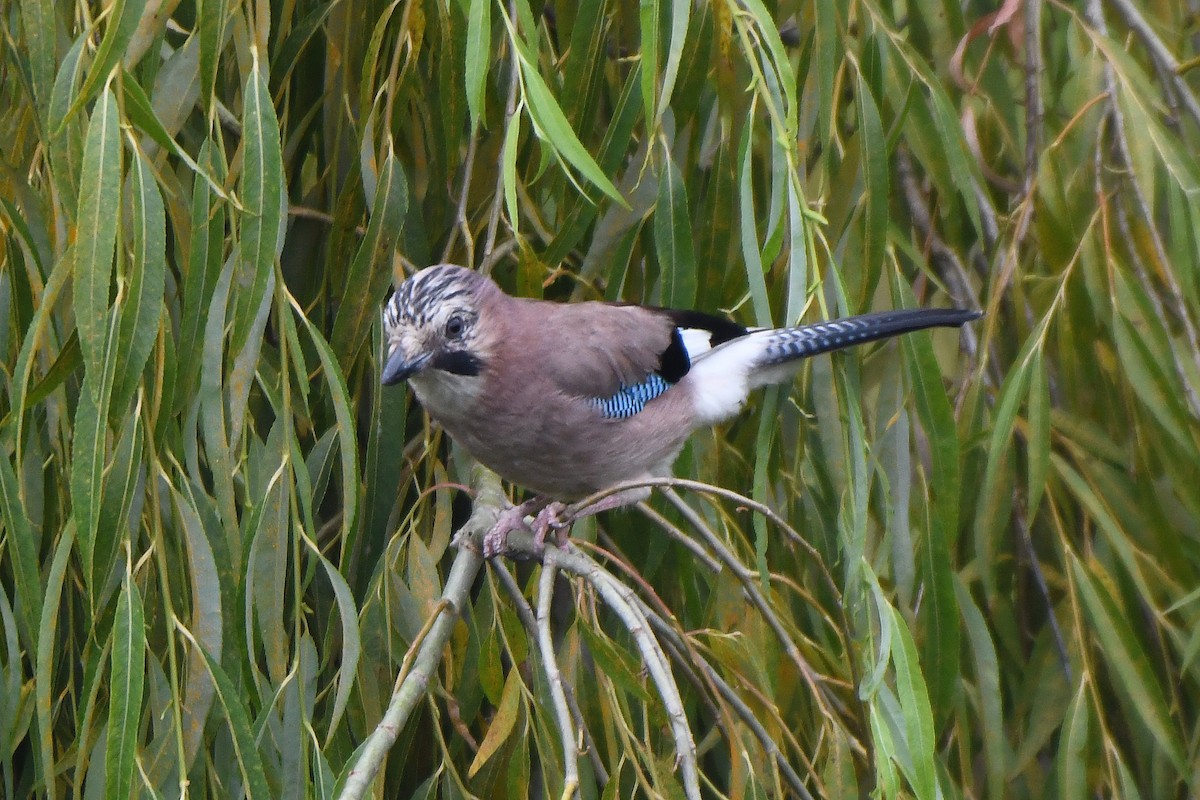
(511, 519)
(558, 517)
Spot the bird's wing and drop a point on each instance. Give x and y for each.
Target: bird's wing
(622, 356)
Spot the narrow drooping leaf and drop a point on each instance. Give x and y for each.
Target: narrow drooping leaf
(1123, 653)
(918, 716)
(211, 19)
(128, 661)
(99, 197)
(141, 308)
(479, 45)
(38, 34)
(122, 20)
(503, 723)
(370, 272)
(673, 238)
(206, 625)
(262, 198)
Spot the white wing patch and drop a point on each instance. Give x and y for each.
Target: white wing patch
(720, 378)
(696, 341)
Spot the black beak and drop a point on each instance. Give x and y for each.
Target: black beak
(398, 368)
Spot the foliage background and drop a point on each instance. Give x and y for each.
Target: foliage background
(221, 538)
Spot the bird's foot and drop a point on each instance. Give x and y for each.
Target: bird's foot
(554, 517)
(495, 541)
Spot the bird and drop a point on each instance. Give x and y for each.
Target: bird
(568, 399)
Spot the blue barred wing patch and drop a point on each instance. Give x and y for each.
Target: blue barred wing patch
(629, 400)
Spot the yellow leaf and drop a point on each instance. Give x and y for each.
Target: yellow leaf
(502, 724)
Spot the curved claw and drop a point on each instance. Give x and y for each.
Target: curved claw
(554, 517)
(495, 541)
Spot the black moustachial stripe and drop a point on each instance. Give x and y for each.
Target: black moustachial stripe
(789, 344)
(457, 362)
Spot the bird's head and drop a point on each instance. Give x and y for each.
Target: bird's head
(432, 327)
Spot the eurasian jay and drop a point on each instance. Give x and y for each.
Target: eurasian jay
(570, 399)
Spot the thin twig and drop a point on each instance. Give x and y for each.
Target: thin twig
(717, 491)
(510, 108)
(461, 223)
(700, 554)
(545, 640)
(507, 582)
(739, 706)
(1094, 14)
(624, 603)
(1158, 51)
(750, 587)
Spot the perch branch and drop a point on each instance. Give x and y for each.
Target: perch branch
(426, 653)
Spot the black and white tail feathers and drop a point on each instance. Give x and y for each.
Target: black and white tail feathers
(789, 344)
(721, 378)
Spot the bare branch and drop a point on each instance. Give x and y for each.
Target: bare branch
(558, 694)
(426, 653)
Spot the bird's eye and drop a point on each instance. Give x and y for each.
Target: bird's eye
(455, 327)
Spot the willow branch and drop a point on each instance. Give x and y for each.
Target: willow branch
(558, 695)
(425, 654)
(625, 604)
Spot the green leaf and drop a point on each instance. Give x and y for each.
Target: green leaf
(22, 549)
(206, 624)
(268, 531)
(39, 33)
(47, 652)
(673, 238)
(262, 197)
(351, 642)
(1037, 444)
(874, 154)
(142, 114)
(204, 258)
(141, 308)
(96, 235)
(125, 690)
(1124, 654)
(918, 716)
(1072, 754)
(508, 169)
(987, 687)
(88, 455)
(249, 762)
(749, 234)
(122, 21)
(681, 11)
(121, 478)
(988, 520)
(479, 56)
(211, 19)
(553, 128)
(370, 272)
(502, 725)
(345, 428)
